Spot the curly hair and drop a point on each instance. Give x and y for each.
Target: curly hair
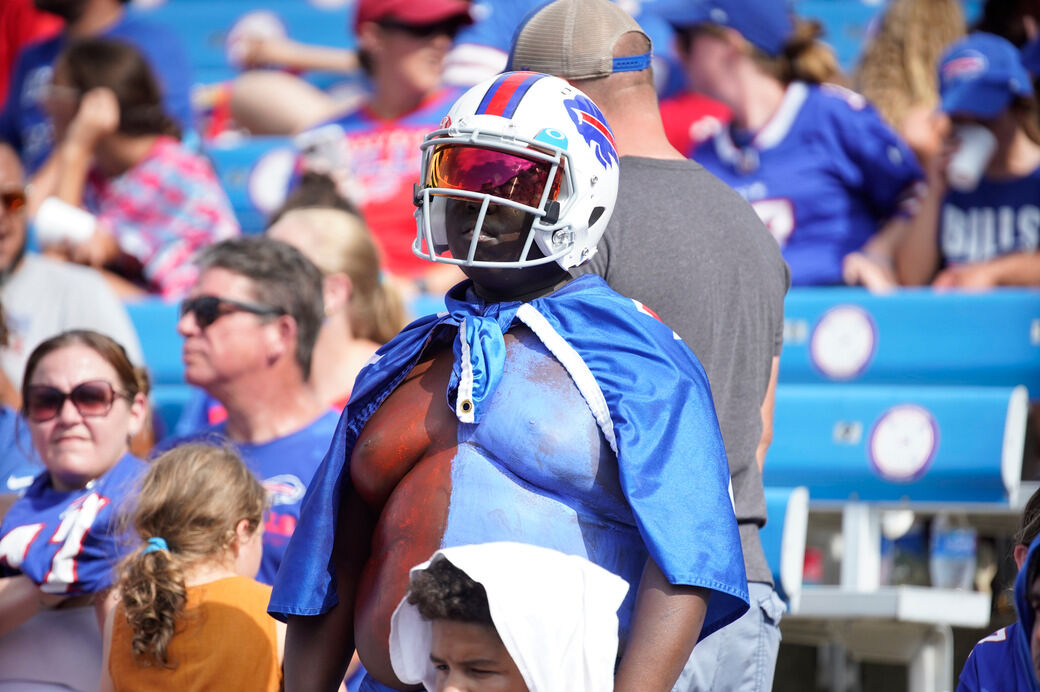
(193, 497)
(898, 69)
(442, 591)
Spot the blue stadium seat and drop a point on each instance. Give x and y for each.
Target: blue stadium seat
(940, 445)
(255, 173)
(156, 324)
(912, 336)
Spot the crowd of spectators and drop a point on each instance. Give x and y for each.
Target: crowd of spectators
(768, 167)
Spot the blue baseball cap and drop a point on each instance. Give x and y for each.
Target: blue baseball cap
(766, 24)
(980, 74)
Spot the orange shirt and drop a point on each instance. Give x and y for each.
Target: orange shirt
(224, 640)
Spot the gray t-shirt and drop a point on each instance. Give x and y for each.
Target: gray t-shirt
(45, 297)
(691, 249)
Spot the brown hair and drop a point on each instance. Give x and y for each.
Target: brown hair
(899, 66)
(89, 63)
(1029, 525)
(192, 497)
(132, 380)
(344, 245)
(1027, 112)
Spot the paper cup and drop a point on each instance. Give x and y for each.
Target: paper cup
(57, 222)
(968, 163)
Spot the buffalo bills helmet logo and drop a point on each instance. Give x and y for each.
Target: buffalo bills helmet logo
(591, 125)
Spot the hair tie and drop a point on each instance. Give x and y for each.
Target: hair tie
(154, 544)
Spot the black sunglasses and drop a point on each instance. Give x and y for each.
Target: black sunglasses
(448, 27)
(12, 200)
(93, 399)
(209, 309)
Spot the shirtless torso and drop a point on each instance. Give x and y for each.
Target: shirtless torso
(536, 469)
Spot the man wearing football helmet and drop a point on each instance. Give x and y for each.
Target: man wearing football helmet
(536, 409)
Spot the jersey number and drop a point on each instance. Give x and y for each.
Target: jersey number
(70, 534)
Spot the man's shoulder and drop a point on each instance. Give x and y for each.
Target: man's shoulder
(59, 277)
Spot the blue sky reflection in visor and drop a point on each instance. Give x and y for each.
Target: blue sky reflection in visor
(492, 172)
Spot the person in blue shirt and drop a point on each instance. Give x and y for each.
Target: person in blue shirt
(249, 325)
(982, 232)
(60, 542)
(535, 409)
(831, 181)
(24, 125)
(1004, 660)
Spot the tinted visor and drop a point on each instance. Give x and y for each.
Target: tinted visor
(492, 172)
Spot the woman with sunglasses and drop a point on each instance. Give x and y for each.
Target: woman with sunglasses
(124, 195)
(59, 542)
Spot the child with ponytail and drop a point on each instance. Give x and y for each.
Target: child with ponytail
(190, 614)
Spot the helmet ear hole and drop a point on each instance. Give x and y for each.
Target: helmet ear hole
(594, 216)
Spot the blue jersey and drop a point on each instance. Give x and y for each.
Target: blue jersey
(997, 218)
(24, 123)
(1002, 661)
(824, 174)
(19, 463)
(998, 662)
(650, 400)
(285, 467)
(70, 542)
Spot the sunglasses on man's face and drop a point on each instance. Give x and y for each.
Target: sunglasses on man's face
(449, 27)
(12, 201)
(209, 309)
(92, 399)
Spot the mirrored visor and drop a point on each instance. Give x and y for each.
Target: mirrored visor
(498, 173)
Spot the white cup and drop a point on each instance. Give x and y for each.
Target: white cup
(968, 163)
(58, 222)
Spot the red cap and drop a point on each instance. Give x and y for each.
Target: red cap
(415, 12)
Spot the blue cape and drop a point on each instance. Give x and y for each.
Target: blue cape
(644, 387)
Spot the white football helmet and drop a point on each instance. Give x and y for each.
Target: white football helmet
(529, 141)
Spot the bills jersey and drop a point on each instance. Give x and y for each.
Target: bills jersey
(996, 218)
(998, 662)
(823, 175)
(375, 162)
(70, 542)
(284, 466)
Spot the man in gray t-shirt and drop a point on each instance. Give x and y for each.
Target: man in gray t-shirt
(43, 297)
(689, 247)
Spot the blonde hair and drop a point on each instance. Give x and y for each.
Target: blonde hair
(341, 243)
(898, 70)
(192, 497)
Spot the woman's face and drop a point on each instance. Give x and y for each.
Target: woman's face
(78, 448)
(709, 67)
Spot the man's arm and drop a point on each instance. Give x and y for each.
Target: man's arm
(318, 648)
(665, 625)
(768, 405)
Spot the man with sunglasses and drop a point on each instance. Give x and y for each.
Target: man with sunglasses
(43, 297)
(249, 326)
(371, 151)
(535, 409)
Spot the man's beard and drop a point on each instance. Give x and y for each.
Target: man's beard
(69, 10)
